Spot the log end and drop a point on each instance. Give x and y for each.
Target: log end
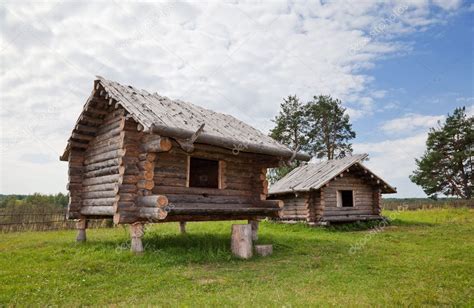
(165, 144)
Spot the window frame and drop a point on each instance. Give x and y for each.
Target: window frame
(339, 198)
(219, 172)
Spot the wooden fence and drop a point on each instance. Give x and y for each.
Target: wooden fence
(13, 220)
(424, 204)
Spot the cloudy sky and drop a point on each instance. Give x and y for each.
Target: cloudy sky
(398, 67)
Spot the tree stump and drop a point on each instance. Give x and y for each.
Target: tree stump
(241, 242)
(137, 231)
(264, 250)
(254, 225)
(182, 227)
(81, 226)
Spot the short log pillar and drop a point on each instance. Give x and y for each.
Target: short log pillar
(137, 230)
(182, 227)
(263, 250)
(254, 225)
(241, 242)
(81, 226)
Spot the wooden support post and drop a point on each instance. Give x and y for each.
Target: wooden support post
(241, 242)
(81, 226)
(254, 225)
(137, 231)
(182, 227)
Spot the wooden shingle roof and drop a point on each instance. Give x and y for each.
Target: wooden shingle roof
(315, 175)
(178, 119)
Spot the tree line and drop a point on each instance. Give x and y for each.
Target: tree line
(36, 200)
(322, 128)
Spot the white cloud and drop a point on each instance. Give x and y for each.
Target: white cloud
(470, 110)
(411, 123)
(394, 161)
(240, 58)
(448, 4)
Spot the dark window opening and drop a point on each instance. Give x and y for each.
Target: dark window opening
(347, 198)
(203, 173)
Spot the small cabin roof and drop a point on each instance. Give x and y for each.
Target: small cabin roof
(178, 119)
(313, 176)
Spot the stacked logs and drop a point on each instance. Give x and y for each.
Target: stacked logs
(102, 166)
(128, 188)
(377, 201)
(75, 173)
(315, 208)
(296, 208)
(137, 202)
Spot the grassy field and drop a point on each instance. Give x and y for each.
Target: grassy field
(424, 257)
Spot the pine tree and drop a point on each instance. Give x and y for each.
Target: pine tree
(290, 124)
(289, 130)
(329, 128)
(320, 127)
(446, 167)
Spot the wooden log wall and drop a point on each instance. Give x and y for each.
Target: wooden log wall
(363, 196)
(377, 210)
(103, 168)
(135, 164)
(75, 174)
(243, 182)
(296, 206)
(315, 206)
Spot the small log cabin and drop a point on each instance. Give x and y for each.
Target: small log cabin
(139, 157)
(340, 190)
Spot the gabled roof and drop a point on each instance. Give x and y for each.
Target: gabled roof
(314, 176)
(178, 119)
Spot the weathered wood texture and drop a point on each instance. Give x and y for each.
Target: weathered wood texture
(137, 231)
(241, 241)
(320, 205)
(81, 227)
(254, 224)
(180, 120)
(263, 250)
(117, 175)
(363, 197)
(103, 166)
(295, 207)
(76, 159)
(315, 206)
(136, 203)
(243, 184)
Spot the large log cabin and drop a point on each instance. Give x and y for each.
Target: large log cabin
(138, 158)
(340, 190)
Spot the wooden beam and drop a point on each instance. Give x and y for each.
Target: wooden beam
(180, 133)
(159, 201)
(156, 144)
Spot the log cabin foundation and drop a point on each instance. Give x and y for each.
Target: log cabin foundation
(137, 230)
(254, 224)
(142, 158)
(182, 227)
(241, 241)
(81, 226)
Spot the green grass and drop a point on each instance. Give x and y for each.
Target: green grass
(424, 257)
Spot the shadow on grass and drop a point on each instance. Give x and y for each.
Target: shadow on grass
(205, 248)
(410, 223)
(374, 224)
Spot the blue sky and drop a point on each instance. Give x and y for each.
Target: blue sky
(430, 78)
(398, 66)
